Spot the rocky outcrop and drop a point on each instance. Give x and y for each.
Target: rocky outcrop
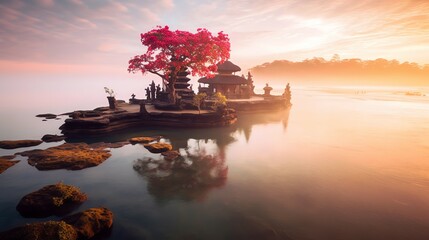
(5, 163)
(170, 155)
(90, 222)
(47, 116)
(58, 199)
(135, 140)
(52, 230)
(268, 104)
(53, 138)
(158, 147)
(121, 119)
(104, 145)
(82, 225)
(12, 144)
(71, 156)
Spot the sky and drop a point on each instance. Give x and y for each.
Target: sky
(98, 37)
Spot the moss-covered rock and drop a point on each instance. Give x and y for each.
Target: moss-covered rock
(135, 140)
(71, 156)
(58, 199)
(90, 222)
(5, 163)
(158, 147)
(170, 155)
(52, 230)
(12, 144)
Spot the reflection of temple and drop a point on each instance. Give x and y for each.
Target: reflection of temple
(188, 177)
(248, 120)
(227, 83)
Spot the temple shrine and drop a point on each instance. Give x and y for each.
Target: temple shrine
(228, 83)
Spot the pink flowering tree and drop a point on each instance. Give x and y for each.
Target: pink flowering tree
(169, 52)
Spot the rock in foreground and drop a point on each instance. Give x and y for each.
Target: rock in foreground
(91, 222)
(83, 225)
(71, 156)
(52, 230)
(158, 147)
(12, 144)
(58, 199)
(5, 163)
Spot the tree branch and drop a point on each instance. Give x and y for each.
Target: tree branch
(157, 73)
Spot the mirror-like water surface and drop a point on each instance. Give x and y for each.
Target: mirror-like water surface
(341, 164)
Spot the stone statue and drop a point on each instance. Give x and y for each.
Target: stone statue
(133, 96)
(152, 90)
(158, 90)
(267, 90)
(147, 93)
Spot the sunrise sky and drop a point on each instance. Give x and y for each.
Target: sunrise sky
(99, 37)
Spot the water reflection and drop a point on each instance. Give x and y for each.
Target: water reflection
(246, 121)
(200, 168)
(202, 165)
(179, 136)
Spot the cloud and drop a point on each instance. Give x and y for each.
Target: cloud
(120, 7)
(86, 23)
(260, 30)
(46, 3)
(149, 15)
(169, 4)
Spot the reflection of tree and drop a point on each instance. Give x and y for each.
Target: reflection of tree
(188, 177)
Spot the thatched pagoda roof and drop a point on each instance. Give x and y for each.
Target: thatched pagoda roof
(223, 79)
(228, 66)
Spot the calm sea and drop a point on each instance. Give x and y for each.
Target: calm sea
(343, 163)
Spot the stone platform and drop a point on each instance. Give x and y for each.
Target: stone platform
(102, 120)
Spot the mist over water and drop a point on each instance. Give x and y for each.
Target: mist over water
(343, 163)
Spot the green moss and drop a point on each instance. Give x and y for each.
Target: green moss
(66, 193)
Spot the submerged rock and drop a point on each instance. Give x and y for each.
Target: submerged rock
(71, 156)
(12, 144)
(47, 115)
(135, 140)
(58, 199)
(53, 138)
(90, 222)
(52, 230)
(105, 145)
(170, 155)
(5, 163)
(158, 147)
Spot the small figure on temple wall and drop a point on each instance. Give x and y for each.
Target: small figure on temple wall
(147, 93)
(267, 90)
(152, 90)
(133, 96)
(158, 90)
